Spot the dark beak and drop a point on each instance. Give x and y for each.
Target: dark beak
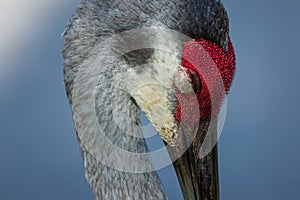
(198, 177)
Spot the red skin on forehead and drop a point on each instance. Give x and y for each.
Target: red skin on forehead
(225, 63)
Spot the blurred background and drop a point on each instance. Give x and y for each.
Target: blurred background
(260, 143)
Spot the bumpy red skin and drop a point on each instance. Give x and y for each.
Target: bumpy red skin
(225, 63)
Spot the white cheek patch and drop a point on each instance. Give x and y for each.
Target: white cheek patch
(153, 100)
(152, 94)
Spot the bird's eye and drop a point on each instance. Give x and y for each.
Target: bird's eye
(196, 81)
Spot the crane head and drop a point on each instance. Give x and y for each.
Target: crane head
(179, 91)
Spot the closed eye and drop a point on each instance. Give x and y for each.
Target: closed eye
(196, 81)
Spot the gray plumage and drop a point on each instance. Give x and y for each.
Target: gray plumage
(96, 20)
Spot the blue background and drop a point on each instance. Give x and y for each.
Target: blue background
(259, 146)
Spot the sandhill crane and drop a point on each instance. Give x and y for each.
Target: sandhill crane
(124, 56)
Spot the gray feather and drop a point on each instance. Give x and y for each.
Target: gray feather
(93, 22)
